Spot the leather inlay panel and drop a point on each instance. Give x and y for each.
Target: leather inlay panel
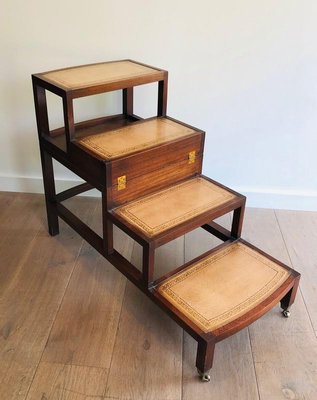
(167, 208)
(132, 138)
(97, 74)
(224, 286)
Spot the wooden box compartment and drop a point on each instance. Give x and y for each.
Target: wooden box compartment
(145, 156)
(154, 169)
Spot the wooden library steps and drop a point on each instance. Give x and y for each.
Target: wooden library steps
(149, 173)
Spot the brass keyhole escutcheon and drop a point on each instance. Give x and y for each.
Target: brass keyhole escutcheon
(192, 157)
(122, 182)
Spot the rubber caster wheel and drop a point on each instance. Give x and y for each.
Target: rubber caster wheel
(286, 313)
(204, 376)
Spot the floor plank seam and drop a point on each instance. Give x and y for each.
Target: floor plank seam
(254, 369)
(59, 307)
(116, 335)
(127, 398)
(52, 324)
(183, 351)
(305, 304)
(284, 241)
(183, 335)
(291, 263)
(81, 394)
(69, 364)
(22, 261)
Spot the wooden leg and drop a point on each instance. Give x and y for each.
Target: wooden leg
(127, 101)
(109, 237)
(50, 193)
(289, 298)
(162, 98)
(107, 226)
(237, 221)
(204, 359)
(148, 264)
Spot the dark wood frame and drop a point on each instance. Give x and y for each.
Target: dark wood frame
(285, 294)
(95, 173)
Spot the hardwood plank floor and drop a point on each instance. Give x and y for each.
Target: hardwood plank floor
(33, 295)
(85, 327)
(68, 382)
(232, 376)
(147, 361)
(300, 234)
(167, 257)
(22, 217)
(73, 328)
(284, 350)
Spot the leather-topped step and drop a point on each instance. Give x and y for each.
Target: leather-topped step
(194, 198)
(108, 73)
(223, 286)
(135, 138)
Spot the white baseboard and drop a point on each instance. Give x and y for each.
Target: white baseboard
(260, 198)
(35, 185)
(280, 199)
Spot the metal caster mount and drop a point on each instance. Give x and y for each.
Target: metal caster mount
(204, 376)
(286, 313)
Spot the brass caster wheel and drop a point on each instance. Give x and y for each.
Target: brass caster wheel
(204, 376)
(286, 313)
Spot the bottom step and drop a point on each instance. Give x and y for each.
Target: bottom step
(237, 282)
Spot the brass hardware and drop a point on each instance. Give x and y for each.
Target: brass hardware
(192, 157)
(122, 182)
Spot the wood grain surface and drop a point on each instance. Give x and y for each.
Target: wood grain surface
(33, 294)
(300, 233)
(85, 328)
(67, 382)
(167, 257)
(147, 357)
(147, 363)
(22, 216)
(55, 292)
(232, 375)
(284, 350)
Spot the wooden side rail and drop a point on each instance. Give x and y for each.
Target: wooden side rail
(96, 241)
(217, 230)
(80, 227)
(67, 194)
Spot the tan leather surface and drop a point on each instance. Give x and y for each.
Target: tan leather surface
(224, 286)
(132, 138)
(87, 75)
(167, 208)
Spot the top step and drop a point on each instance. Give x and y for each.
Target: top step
(102, 77)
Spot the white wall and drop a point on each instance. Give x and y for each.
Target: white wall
(243, 71)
